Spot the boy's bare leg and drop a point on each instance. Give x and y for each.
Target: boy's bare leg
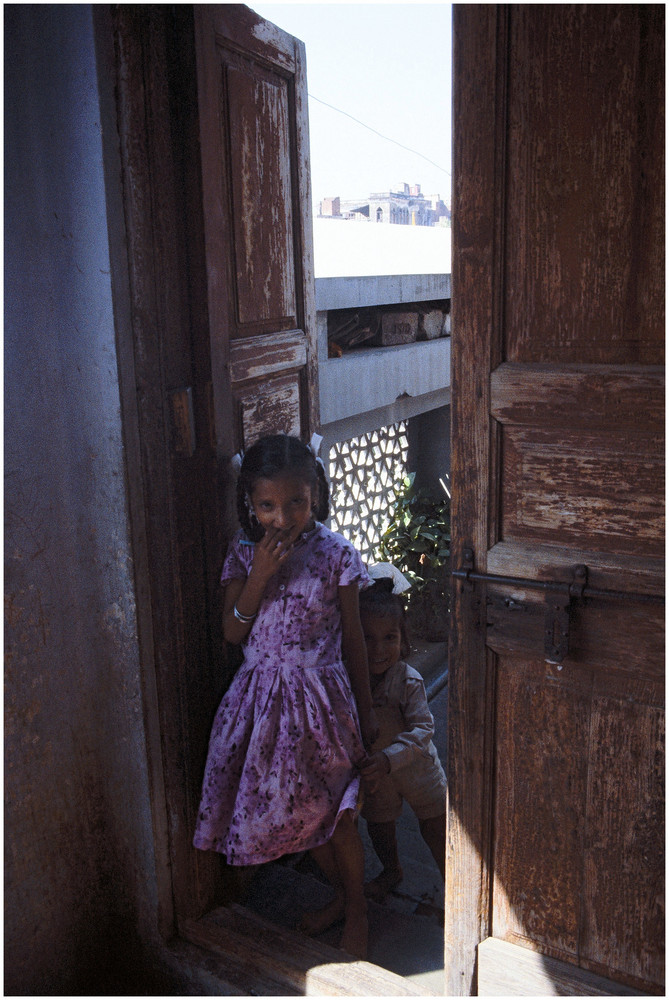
(384, 841)
(434, 834)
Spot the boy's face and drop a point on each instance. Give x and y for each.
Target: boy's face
(384, 640)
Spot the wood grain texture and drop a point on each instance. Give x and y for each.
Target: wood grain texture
(625, 834)
(606, 570)
(602, 396)
(541, 780)
(558, 460)
(258, 357)
(255, 181)
(187, 664)
(580, 816)
(269, 408)
(584, 267)
(478, 96)
(596, 491)
(257, 164)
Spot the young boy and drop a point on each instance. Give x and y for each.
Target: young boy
(403, 763)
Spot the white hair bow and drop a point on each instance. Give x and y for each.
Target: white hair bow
(314, 447)
(236, 462)
(382, 571)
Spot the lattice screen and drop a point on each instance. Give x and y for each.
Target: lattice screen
(363, 474)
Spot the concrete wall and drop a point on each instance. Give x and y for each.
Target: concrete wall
(367, 389)
(430, 448)
(79, 882)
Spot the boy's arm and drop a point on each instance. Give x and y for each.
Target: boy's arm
(414, 740)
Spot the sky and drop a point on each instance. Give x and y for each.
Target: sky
(389, 66)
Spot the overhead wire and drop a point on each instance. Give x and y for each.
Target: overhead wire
(380, 134)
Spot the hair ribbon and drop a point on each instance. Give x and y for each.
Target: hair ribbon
(314, 447)
(382, 571)
(236, 461)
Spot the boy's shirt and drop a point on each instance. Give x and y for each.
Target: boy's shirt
(406, 724)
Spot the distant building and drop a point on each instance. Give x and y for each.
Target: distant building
(408, 207)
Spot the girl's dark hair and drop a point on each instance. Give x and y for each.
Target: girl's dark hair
(378, 601)
(279, 455)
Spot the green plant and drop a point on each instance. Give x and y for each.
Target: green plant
(418, 538)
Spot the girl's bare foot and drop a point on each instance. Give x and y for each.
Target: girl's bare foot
(380, 886)
(317, 921)
(354, 938)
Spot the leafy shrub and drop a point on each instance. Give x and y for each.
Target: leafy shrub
(418, 538)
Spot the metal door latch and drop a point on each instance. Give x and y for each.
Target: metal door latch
(558, 616)
(560, 598)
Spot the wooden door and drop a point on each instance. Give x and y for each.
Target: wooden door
(219, 349)
(556, 715)
(252, 96)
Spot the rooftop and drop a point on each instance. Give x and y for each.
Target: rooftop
(343, 248)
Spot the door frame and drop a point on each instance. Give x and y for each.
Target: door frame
(480, 53)
(158, 264)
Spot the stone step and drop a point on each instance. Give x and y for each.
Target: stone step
(406, 943)
(276, 961)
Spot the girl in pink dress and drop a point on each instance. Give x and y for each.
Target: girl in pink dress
(288, 735)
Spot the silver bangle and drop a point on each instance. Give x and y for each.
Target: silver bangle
(244, 619)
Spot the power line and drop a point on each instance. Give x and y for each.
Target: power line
(386, 137)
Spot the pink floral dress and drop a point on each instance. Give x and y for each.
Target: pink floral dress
(286, 738)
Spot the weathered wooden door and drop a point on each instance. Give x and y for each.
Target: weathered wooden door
(212, 111)
(556, 717)
(252, 97)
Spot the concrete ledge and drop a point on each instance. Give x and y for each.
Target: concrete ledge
(387, 289)
(372, 378)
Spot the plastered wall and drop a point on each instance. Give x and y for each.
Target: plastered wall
(79, 861)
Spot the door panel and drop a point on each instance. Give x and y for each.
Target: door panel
(555, 757)
(538, 846)
(584, 195)
(598, 481)
(255, 178)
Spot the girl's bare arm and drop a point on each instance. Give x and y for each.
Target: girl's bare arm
(268, 554)
(355, 658)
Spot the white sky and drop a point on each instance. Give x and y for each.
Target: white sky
(388, 65)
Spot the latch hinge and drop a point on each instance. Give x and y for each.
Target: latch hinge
(560, 598)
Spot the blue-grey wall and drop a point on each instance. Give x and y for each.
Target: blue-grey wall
(80, 873)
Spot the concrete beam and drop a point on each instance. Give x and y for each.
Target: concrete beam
(388, 289)
(376, 378)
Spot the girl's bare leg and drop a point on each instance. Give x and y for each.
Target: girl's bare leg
(342, 860)
(319, 920)
(434, 834)
(350, 860)
(384, 841)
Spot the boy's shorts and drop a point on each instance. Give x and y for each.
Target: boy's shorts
(423, 787)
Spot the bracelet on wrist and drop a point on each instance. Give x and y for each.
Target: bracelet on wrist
(244, 619)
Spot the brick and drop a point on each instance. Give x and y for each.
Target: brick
(398, 328)
(432, 324)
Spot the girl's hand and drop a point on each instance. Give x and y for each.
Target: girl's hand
(373, 768)
(271, 551)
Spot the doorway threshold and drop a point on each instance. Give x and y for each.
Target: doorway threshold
(268, 960)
